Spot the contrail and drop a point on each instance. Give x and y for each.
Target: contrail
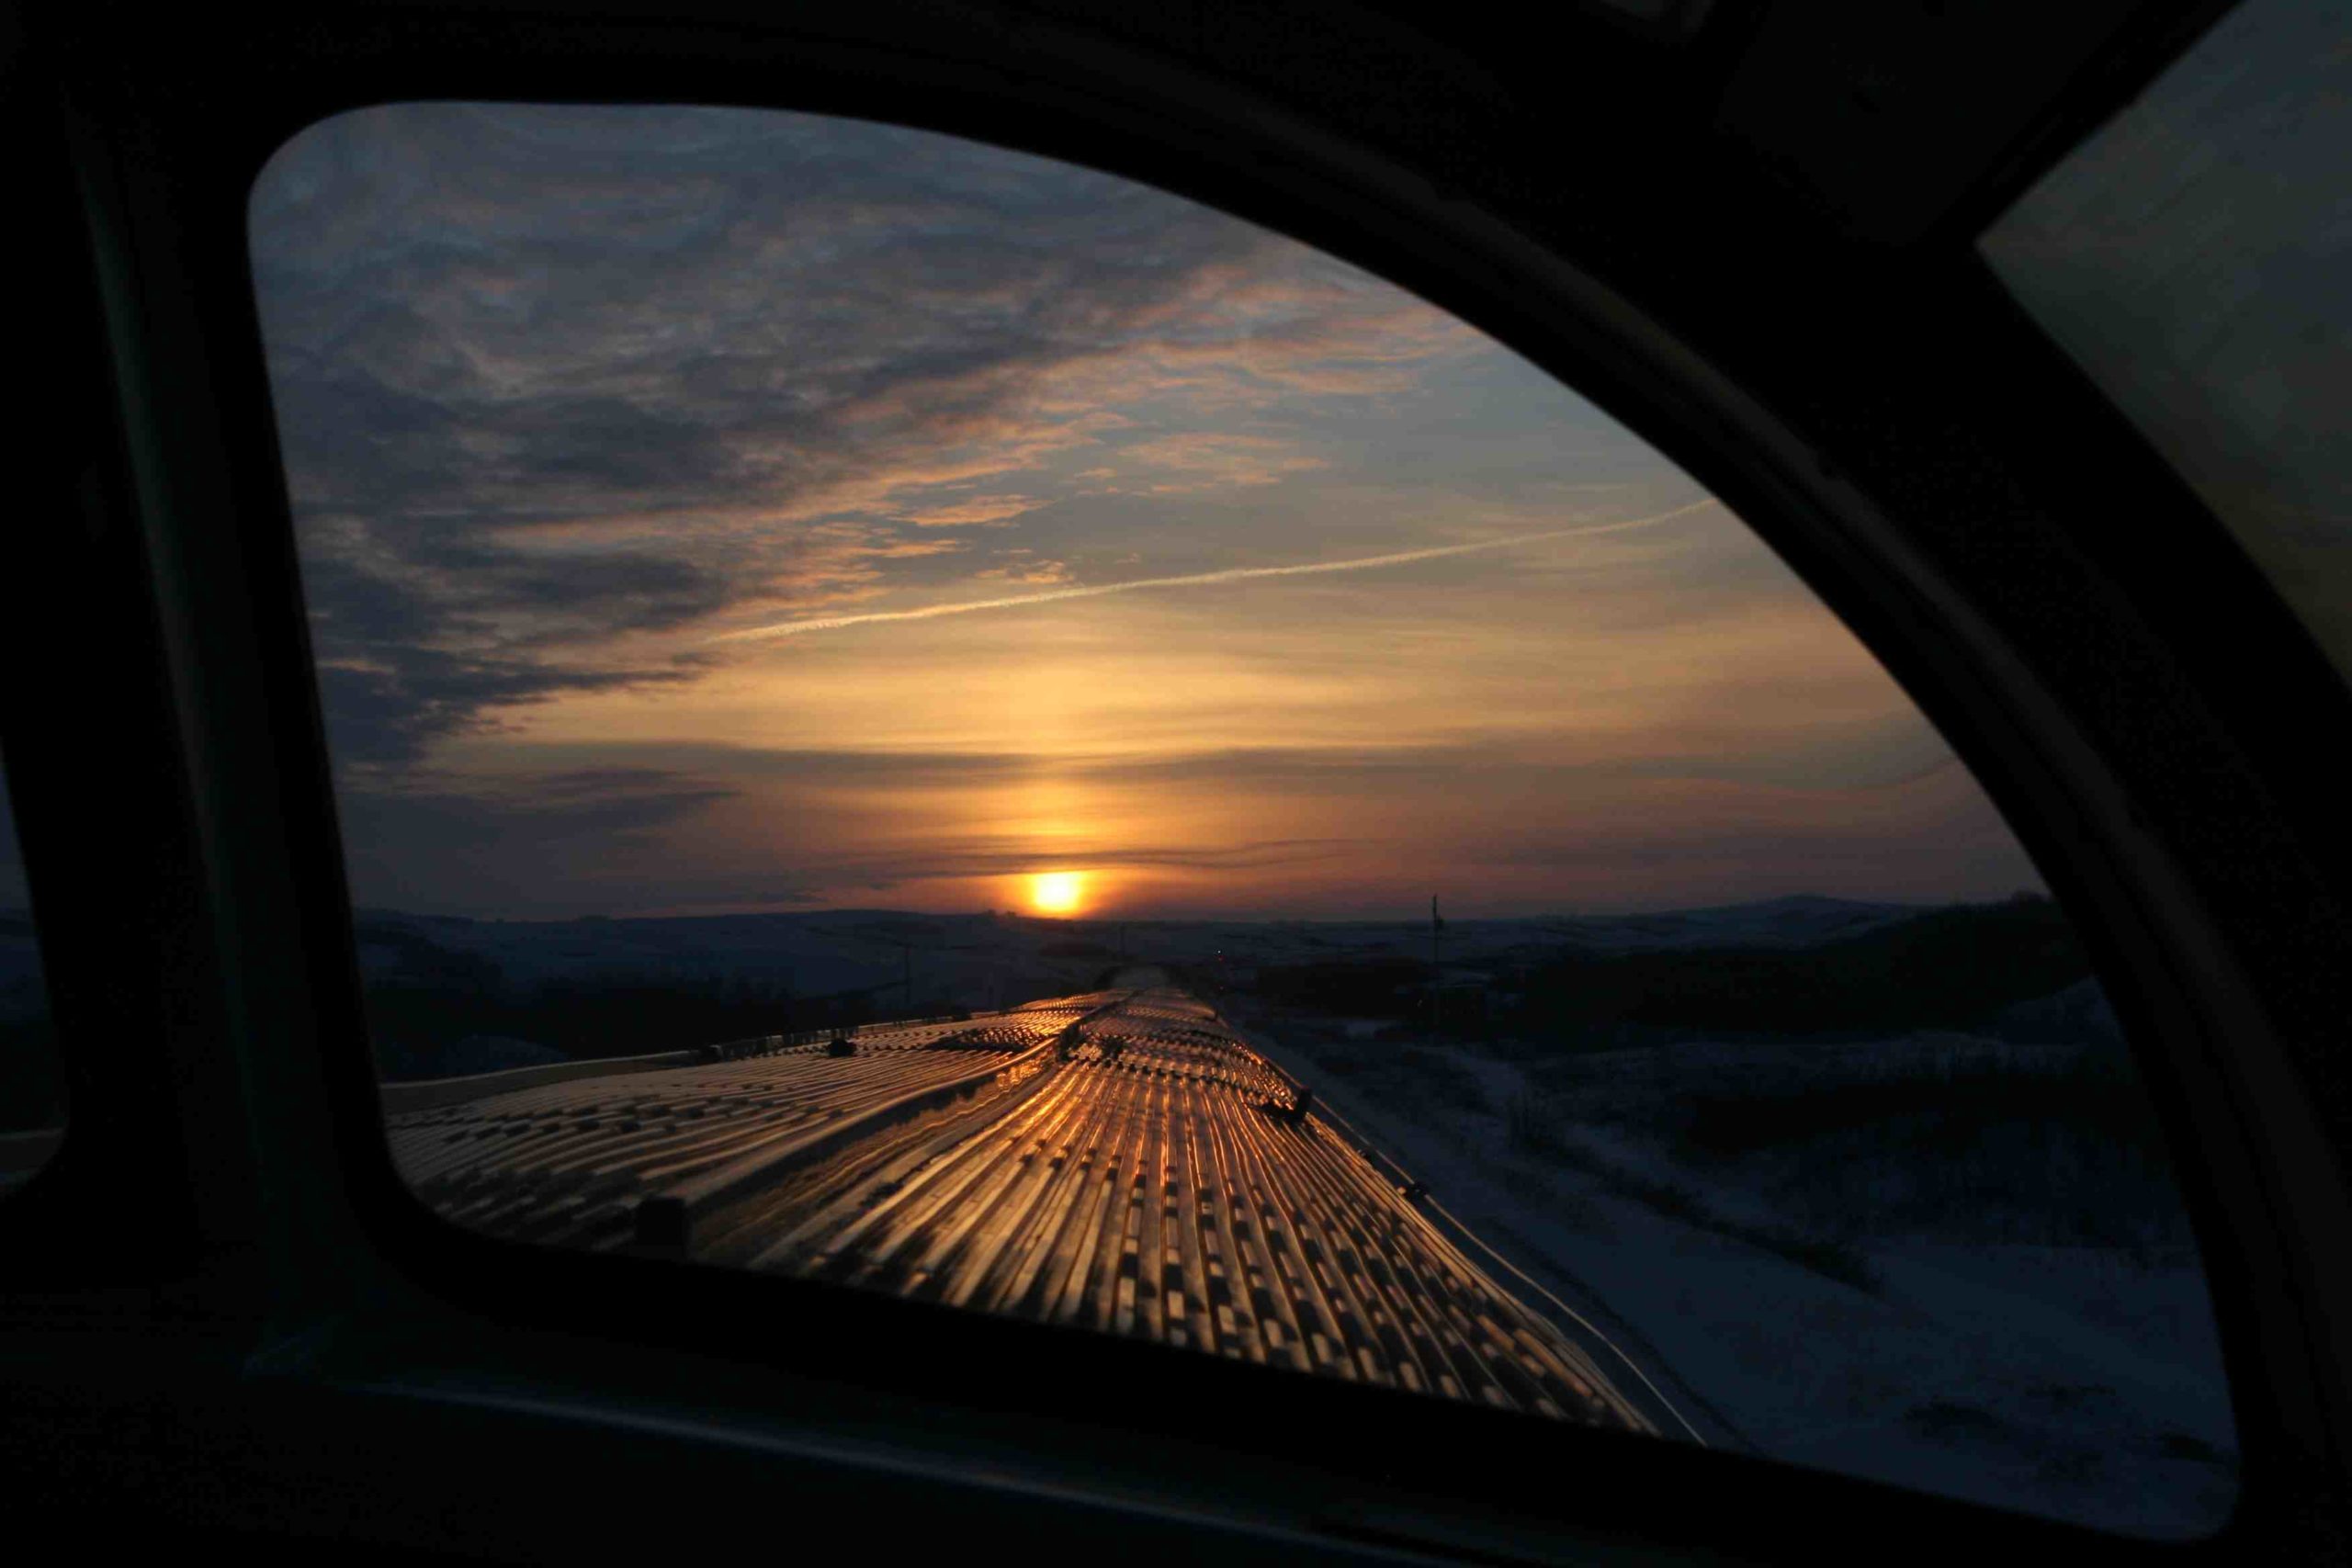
(1231, 575)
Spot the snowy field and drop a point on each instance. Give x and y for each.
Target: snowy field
(1943, 1349)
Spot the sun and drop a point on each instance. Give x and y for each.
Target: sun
(1056, 892)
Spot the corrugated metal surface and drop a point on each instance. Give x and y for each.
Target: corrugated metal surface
(1121, 1163)
(569, 1162)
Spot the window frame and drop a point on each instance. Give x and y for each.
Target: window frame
(165, 170)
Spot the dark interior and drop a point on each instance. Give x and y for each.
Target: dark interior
(1745, 230)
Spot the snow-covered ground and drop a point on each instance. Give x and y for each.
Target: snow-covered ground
(2074, 1381)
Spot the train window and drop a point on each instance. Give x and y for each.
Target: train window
(2190, 255)
(914, 716)
(32, 1087)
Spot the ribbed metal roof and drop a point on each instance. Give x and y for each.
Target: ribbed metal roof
(1118, 1161)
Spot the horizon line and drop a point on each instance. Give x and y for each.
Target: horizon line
(360, 910)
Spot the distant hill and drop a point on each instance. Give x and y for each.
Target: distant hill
(826, 950)
(2014, 966)
(1801, 920)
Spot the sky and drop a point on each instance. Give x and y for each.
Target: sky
(705, 511)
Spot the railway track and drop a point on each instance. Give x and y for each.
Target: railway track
(1117, 1161)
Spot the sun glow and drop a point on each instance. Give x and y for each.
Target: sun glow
(1056, 892)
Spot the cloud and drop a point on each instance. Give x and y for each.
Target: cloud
(545, 376)
(1208, 460)
(392, 714)
(1042, 574)
(1007, 855)
(581, 404)
(1196, 579)
(978, 511)
(550, 842)
(459, 811)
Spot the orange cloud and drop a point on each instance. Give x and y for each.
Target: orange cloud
(978, 511)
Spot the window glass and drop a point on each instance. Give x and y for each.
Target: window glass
(32, 1089)
(922, 718)
(2191, 257)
